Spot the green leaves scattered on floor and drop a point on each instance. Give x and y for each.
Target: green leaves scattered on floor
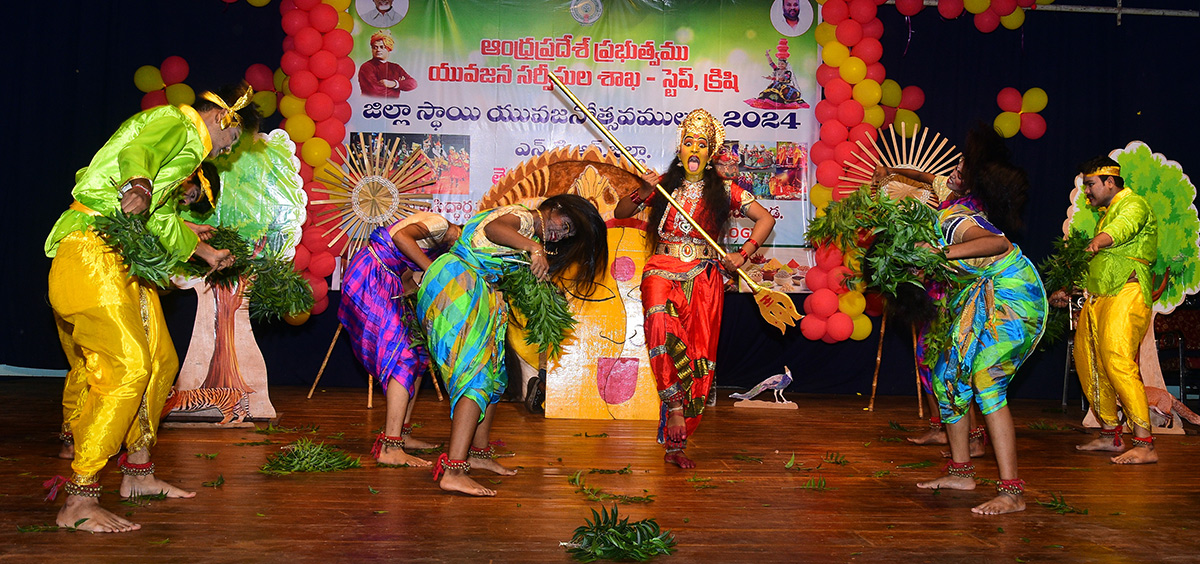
(307, 456)
(608, 537)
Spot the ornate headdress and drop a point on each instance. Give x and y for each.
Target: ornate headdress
(1106, 170)
(231, 117)
(700, 123)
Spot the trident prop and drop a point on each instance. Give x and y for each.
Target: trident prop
(775, 306)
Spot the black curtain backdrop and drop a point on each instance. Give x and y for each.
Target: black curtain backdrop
(68, 74)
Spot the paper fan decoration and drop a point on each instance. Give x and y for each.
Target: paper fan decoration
(371, 190)
(909, 151)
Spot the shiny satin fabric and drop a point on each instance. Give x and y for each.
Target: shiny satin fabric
(122, 360)
(1106, 346)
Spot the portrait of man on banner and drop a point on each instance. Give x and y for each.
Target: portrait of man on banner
(381, 13)
(791, 18)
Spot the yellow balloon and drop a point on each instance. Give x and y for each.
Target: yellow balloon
(911, 123)
(820, 196)
(258, 3)
(265, 101)
(1044, 2)
(853, 70)
(1013, 20)
(328, 173)
(1007, 124)
(296, 318)
(345, 22)
(291, 106)
(301, 128)
(315, 151)
(868, 92)
(835, 53)
(339, 5)
(280, 77)
(862, 327)
(890, 93)
(825, 33)
(874, 115)
(148, 78)
(977, 6)
(180, 94)
(1034, 100)
(852, 303)
(853, 260)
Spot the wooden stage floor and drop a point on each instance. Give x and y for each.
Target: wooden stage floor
(741, 505)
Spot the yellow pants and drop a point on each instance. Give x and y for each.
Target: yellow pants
(122, 360)
(1107, 338)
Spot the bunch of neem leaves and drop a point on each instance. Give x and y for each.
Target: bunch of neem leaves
(548, 320)
(141, 251)
(609, 538)
(222, 238)
(277, 290)
(1065, 269)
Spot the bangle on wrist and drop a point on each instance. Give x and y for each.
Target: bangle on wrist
(636, 197)
(745, 256)
(755, 243)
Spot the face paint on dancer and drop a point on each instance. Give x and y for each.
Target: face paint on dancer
(694, 155)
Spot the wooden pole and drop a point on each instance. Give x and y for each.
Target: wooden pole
(917, 366)
(336, 334)
(878, 359)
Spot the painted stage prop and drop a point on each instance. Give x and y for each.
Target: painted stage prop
(777, 383)
(223, 379)
(1176, 272)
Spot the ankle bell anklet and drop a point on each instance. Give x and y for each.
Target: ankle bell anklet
(383, 440)
(1115, 433)
(1011, 487)
(130, 469)
(90, 490)
(1147, 442)
(960, 470)
(444, 463)
(488, 453)
(406, 430)
(66, 437)
(979, 434)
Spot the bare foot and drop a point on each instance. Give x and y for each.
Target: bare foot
(1137, 455)
(679, 459)
(676, 426)
(397, 457)
(417, 444)
(977, 449)
(1102, 443)
(67, 452)
(492, 466)
(934, 436)
(948, 482)
(1001, 504)
(132, 486)
(459, 481)
(85, 514)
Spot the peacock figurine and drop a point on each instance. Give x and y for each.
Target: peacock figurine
(777, 383)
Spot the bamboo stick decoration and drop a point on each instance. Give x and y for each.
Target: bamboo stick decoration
(917, 366)
(878, 361)
(321, 371)
(776, 307)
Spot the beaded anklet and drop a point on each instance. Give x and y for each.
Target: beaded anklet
(382, 440)
(960, 469)
(1115, 433)
(488, 453)
(1011, 487)
(444, 463)
(1147, 442)
(130, 469)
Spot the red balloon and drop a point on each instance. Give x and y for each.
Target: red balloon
(825, 302)
(863, 133)
(850, 113)
(838, 91)
(339, 247)
(876, 72)
(322, 264)
(323, 17)
(839, 327)
(294, 21)
(1003, 7)
(339, 42)
(153, 99)
(1033, 126)
(319, 106)
(311, 238)
(306, 4)
(260, 77)
(820, 152)
(1026, 3)
(303, 84)
(286, 6)
(829, 173)
(812, 327)
(826, 338)
(874, 304)
(889, 115)
(833, 132)
(837, 279)
(342, 112)
(337, 87)
(289, 43)
(909, 7)
(174, 69)
(308, 41)
(319, 286)
(320, 306)
(844, 152)
(868, 49)
(815, 280)
(292, 62)
(874, 28)
(849, 32)
(987, 21)
(951, 9)
(1009, 100)
(323, 64)
(835, 11)
(345, 67)
(912, 98)
(306, 172)
(863, 11)
(300, 261)
(825, 73)
(825, 111)
(332, 131)
(828, 256)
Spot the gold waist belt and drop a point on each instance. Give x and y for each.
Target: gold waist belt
(687, 252)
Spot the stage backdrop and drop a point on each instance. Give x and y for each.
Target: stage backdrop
(466, 82)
